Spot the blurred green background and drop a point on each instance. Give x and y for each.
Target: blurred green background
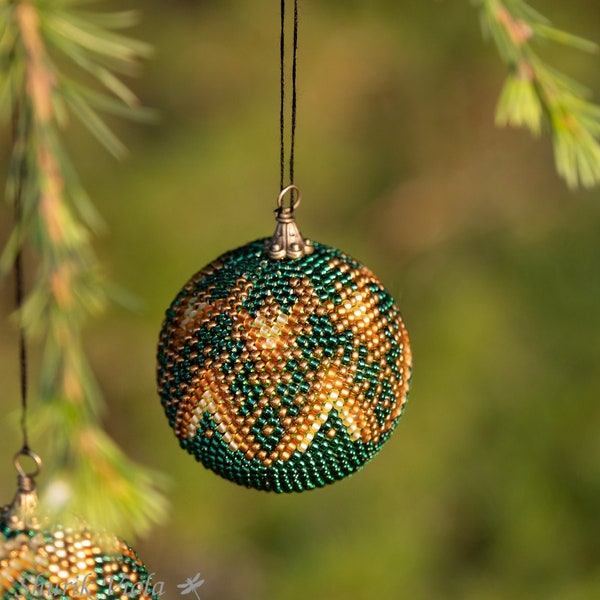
(490, 488)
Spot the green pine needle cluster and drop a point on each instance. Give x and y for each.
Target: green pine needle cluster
(59, 60)
(535, 94)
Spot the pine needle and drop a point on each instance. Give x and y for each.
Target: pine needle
(96, 480)
(536, 94)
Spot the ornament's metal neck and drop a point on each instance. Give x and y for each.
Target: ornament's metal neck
(21, 513)
(287, 241)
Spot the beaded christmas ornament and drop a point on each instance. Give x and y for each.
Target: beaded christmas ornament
(42, 563)
(67, 564)
(283, 365)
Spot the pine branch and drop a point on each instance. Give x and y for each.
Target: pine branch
(535, 94)
(93, 478)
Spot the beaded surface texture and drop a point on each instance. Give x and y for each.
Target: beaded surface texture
(63, 564)
(283, 375)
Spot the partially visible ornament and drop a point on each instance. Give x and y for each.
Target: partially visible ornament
(39, 562)
(284, 365)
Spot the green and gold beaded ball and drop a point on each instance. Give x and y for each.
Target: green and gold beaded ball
(283, 375)
(62, 563)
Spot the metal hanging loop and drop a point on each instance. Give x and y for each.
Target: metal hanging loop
(21, 514)
(296, 198)
(287, 241)
(22, 472)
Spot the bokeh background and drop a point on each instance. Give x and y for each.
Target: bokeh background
(490, 488)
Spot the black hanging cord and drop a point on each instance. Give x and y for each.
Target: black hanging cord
(294, 93)
(19, 152)
(282, 99)
(282, 119)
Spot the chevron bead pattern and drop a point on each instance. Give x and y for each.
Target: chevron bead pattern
(283, 375)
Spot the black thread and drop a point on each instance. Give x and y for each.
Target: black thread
(282, 128)
(19, 153)
(282, 99)
(294, 94)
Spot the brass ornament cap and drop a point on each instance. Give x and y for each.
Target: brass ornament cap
(287, 241)
(22, 512)
(283, 375)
